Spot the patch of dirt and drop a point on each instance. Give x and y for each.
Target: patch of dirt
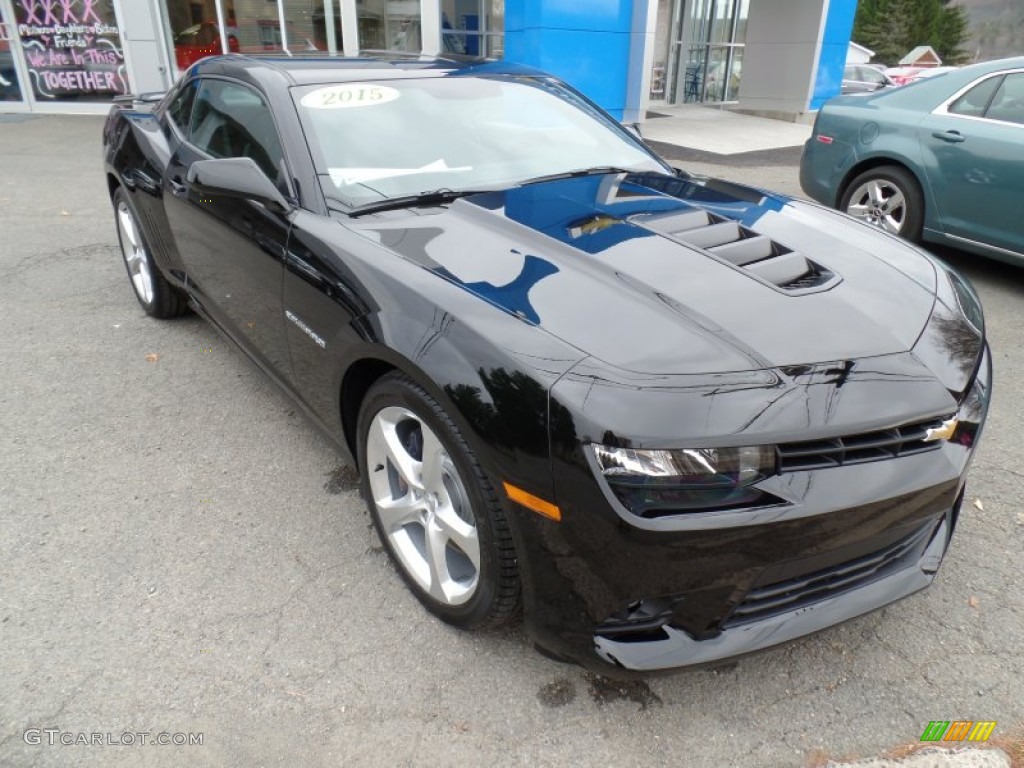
(557, 693)
(343, 478)
(605, 691)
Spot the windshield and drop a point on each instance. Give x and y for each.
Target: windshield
(374, 141)
(186, 35)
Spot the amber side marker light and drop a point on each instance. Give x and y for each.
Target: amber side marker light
(533, 503)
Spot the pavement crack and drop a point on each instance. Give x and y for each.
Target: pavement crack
(51, 719)
(1001, 468)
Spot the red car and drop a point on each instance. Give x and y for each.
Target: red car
(199, 41)
(903, 75)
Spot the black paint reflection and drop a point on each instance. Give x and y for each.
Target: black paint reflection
(514, 413)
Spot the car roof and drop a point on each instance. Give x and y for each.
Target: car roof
(316, 68)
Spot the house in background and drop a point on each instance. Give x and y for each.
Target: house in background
(858, 54)
(922, 56)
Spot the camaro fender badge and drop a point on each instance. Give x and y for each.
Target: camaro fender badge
(306, 329)
(945, 432)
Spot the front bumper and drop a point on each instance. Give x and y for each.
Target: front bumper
(622, 599)
(679, 649)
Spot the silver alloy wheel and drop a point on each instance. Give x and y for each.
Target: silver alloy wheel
(881, 203)
(135, 255)
(422, 505)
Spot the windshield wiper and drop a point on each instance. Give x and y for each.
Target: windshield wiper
(595, 171)
(433, 197)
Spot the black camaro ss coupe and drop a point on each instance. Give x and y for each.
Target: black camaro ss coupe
(674, 418)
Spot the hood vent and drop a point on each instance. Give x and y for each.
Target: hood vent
(733, 244)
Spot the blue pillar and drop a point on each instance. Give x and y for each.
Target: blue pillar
(584, 42)
(835, 41)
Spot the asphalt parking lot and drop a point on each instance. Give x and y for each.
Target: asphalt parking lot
(182, 553)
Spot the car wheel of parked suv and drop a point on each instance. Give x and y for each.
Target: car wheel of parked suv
(889, 198)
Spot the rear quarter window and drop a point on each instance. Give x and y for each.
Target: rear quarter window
(974, 102)
(1008, 102)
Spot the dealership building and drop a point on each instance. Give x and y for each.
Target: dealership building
(779, 58)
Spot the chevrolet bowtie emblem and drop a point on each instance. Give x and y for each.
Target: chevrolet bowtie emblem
(945, 432)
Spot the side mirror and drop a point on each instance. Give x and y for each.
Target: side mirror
(238, 177)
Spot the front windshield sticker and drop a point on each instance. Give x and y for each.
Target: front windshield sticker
(344, 176)
(349, 95)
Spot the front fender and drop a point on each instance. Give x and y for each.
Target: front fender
(489, 369)
(497, 397)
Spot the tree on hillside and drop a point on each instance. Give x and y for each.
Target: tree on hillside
(953, 27)
(892, 28)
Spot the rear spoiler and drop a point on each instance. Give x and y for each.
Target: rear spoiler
(150, 97)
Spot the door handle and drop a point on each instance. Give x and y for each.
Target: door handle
(953, 137)
(177, 188)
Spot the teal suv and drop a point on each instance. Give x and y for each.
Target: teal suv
(940, 160)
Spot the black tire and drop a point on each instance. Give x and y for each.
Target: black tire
(891, 178)
(495, 600)
(157, 297)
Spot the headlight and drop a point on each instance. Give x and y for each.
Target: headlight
(651, 483)
(968, 301)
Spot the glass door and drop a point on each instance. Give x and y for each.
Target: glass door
(10, 79)
(708, 51)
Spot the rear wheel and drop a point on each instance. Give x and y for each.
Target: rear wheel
(157, 296)
(433, 507)
(889, 198)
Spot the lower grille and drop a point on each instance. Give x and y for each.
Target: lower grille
(792, 594)
(857, 449)
(641, 621)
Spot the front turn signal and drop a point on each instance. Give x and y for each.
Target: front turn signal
(533, 503)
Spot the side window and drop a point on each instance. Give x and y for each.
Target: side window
(850, 73)
(973, 103)
(233, 120)
(872, 75)
(1008, 103)
(180, 110)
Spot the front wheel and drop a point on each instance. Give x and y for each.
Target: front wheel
(434, 508)
(887, 197)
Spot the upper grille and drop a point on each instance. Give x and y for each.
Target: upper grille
(791, 594)
(857, 449)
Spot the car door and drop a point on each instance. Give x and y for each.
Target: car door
(233, 249)
(974, 153)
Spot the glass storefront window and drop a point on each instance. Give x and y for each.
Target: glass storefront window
(473, 27)
(195, 33)
(251, 26)
(390, 25)
(72, 50)
(10, 88)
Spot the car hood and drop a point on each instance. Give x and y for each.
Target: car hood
(658, 274)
